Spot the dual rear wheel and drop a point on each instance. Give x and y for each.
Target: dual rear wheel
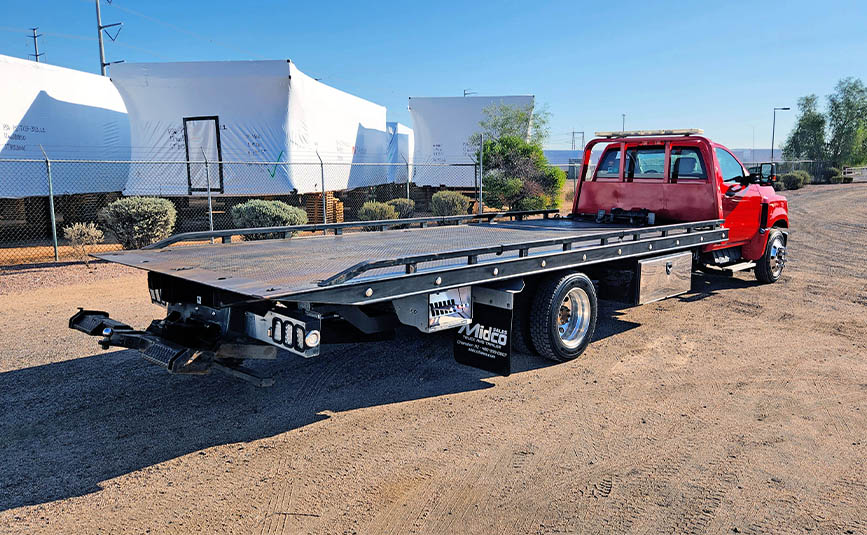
(557, 317)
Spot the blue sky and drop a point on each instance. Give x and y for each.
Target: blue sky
(719, 66)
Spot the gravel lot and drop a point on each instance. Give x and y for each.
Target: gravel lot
(734, 408)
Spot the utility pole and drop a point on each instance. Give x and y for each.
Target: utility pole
(99, 29)
(623, 125)
(35, 37)
(468, 92)
(774, 128)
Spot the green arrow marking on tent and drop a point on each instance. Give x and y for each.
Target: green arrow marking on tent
(274, 171)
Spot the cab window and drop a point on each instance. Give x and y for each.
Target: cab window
(686, 164)
(645, 162)
(609, 165)
(729, 165)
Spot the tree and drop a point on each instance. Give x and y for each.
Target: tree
(807, 139)
(518, 175)
(502, 120)
(847, 120)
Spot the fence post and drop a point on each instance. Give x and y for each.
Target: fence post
(406, 162)
(324, 204)
(481, 168)
(51, 204)
(210, 205)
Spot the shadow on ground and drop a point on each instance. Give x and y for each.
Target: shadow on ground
(67, 426)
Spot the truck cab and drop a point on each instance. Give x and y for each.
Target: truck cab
(679, 176)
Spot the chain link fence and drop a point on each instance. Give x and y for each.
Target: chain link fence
(38, 198)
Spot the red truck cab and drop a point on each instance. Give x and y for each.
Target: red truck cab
(682, 176)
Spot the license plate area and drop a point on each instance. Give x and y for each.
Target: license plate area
(294, 334)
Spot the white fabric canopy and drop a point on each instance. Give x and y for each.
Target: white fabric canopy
(245, 111)
(72, 115)
(442, 126)
(400, 147)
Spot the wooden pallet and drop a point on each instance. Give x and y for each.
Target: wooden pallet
(313, 207)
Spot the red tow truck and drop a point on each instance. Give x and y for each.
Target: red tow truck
(658, 205)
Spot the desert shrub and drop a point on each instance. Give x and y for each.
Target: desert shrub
(405, 208)
(804, 175)
(376, 211)
(847, 179)
(139, 221)
(260, 213)
(836, 179)
(81, 236)
(778, 186)
(446, 203)
(793, 181)
(830, 173)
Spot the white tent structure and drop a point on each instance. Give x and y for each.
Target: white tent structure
(442, 127)
(71, 115)
(400, 147)
(245, 111)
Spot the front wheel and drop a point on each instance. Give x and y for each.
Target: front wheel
(770, 266)
(563, 316)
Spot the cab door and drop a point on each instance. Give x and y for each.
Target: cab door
(741, 205)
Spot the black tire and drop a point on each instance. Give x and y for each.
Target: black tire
(546, 315)
(521, 342)
(769, 267)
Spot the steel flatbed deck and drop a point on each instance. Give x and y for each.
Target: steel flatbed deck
(367, 267)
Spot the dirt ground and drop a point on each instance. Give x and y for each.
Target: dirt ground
(736, 408)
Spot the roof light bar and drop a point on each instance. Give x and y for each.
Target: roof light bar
(644, 133)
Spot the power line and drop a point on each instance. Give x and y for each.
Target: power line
(182, 30)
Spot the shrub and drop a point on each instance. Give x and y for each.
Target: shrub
(830, 173)
(804, 175)
(778, 186)
(836, 179)
(847, 179)
(139, 221)
(81, 236)
(405, 208)
(793, 181)
(376, 211)
(260, 213)
(446, 203)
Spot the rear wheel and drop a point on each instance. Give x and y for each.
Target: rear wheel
(770, 266)
(563, 316)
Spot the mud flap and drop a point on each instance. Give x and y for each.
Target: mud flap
(486, 343)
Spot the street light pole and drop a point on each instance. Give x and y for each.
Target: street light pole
(623, 125)
(774, 129)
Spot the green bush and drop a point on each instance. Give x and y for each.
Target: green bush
(376, 211)
(778, 186)
(446, 203)
(793, 181)
(139, 221)
(847, 179)
(260, 213)
(405, 208)
(836, 179)
(804, 175)
(830, 173)
(81, 236)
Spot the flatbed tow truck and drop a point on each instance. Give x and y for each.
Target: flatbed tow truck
(658, 205)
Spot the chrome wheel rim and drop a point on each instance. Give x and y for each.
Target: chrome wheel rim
(573, 318)
(777, 256)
